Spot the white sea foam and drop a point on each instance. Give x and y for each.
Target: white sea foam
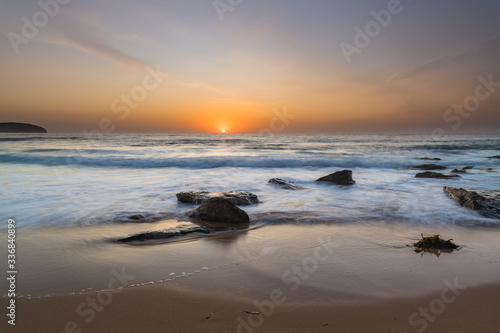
(71, 179)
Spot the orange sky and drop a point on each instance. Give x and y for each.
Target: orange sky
(236, 74)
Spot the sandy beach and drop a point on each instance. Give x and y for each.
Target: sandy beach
(174, 309)
(280, 279)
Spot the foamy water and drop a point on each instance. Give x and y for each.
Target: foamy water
(70, 197)
(72, 179)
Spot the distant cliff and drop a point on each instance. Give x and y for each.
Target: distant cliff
(21, 128)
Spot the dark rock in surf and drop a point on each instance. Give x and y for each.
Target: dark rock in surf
(284, 184)
(241, 198)
(430, 159)
(436, 175)
(343, 177)
(165, 234)
(487, 203)
(219, 209)
(463, 170)
(428, 167)
(136, 217)
(495, 157)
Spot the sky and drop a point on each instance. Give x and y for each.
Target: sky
(249, 66)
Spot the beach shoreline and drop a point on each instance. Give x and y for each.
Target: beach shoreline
(338, 258)
(162, 308)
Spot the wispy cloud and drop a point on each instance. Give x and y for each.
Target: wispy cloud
(203, 85)
(444, 60)
(101, 50)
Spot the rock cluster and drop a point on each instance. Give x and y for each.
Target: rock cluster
(487, 203)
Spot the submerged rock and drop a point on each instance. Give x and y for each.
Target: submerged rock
(219, 209)
(437, 175)
(435, 242)
(458, 171)
(430, 159)
(284, 184)
(241, 198)
(165, 234)
(487, 203)
(343, 177)
(136, 217)
(495, 157)
(463, 170)
(429, 167)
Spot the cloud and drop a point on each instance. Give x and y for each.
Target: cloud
(203, 85)
(444, 60)
(86, 29)
(105, 51)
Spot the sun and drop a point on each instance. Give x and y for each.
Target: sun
(223, 131)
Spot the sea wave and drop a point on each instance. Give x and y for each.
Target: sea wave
(200, 162)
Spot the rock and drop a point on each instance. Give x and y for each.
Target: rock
(165, 234)
(284, 184)
(136, 217)
(343, 177)
(219, 209)
(21, 128)
(430, 174)
(485, 202)
(495, 157)
(434, 243)
(428, 167)
(242, 198)
(463, 170)
(430, 159)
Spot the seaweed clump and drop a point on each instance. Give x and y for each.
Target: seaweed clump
(434, 244)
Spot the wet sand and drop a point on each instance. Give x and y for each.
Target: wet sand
(315, 278)
(163, 308)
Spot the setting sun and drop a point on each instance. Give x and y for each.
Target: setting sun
(223, 131)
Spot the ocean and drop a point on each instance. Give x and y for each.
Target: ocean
(71, 196)
(70, 179)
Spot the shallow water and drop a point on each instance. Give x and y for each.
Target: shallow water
(72, 180)
(70, 197)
